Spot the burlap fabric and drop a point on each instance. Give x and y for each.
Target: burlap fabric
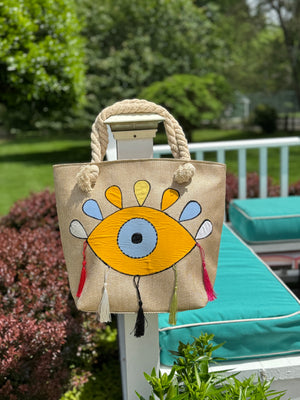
(142, 222)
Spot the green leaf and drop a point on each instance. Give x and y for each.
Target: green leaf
(190, 377)
(41, 57)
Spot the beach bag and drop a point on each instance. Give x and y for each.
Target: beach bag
(140, 235)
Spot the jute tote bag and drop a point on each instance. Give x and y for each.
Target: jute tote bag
(140, 235)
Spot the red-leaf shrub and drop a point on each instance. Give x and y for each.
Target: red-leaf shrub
(39, 327)
(31, 363)
(32, 270)
(294, 189)
(253, 186)
(37, 210)
(232, 185)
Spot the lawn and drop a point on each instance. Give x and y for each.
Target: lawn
(26, 163)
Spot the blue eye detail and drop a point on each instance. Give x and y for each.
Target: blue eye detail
(190, 211)
(137, 238)
(92, 209)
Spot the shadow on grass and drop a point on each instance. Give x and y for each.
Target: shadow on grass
(71, 155)
(81, 153)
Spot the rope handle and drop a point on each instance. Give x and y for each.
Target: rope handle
(175, 134)
(88, 174)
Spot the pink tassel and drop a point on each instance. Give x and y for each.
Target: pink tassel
(83, 272)
(211, 295)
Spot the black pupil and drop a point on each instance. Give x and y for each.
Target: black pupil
(136, 238)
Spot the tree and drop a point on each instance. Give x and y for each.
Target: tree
(257, 58)
(190, 98)
(256, 52)
(288, 19)
(41, 57)
(228, 7)
(259, 63)
(133, 43)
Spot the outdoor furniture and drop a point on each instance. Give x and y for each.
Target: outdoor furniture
(285, 368)
(244, 282)
(269, 220)
(255, 315)
(271, 226)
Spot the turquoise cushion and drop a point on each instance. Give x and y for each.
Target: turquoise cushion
(263, 220)
(254, 313)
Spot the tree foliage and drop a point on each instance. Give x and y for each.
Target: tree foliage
(257, 57)
(130, 44)
(133, 43)
(41, 56)
(190, 98)
(287, 13)
(259, 64)
(265, 117)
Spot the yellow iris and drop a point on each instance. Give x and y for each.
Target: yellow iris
(140, 241)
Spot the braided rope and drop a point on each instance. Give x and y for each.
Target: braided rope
(176, 137)
(87, 176)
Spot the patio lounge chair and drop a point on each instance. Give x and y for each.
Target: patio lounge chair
(255, 315)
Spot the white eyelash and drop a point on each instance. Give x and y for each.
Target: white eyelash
(78, 230)
(204, 230)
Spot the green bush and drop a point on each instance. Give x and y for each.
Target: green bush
(265, 117)
(190, 378)
(97, 376)
(190, 98)
(132, 43)
(101, 385)
(41, 60)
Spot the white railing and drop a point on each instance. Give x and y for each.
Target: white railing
(241, 146)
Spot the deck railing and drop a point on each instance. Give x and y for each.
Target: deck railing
(241, 146)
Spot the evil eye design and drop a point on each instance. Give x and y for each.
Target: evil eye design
(160, 241)
(137, 238)
(140, 240)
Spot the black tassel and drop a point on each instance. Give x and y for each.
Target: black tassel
(139, 328)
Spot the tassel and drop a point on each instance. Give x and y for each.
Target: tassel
(211, 295)
(139, 328)
(83, 271)
(173, 307)
(104, 309)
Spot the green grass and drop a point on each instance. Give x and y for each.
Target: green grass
(26, 163)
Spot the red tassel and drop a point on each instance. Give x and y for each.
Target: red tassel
(83, 272)
(211, 295)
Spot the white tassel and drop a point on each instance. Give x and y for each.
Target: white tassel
(103, 309)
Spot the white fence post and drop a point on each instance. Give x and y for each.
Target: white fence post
(263, 172)
(199, 155)
(242, 162)
(137, 355)
(284, 171)
(221, 156)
